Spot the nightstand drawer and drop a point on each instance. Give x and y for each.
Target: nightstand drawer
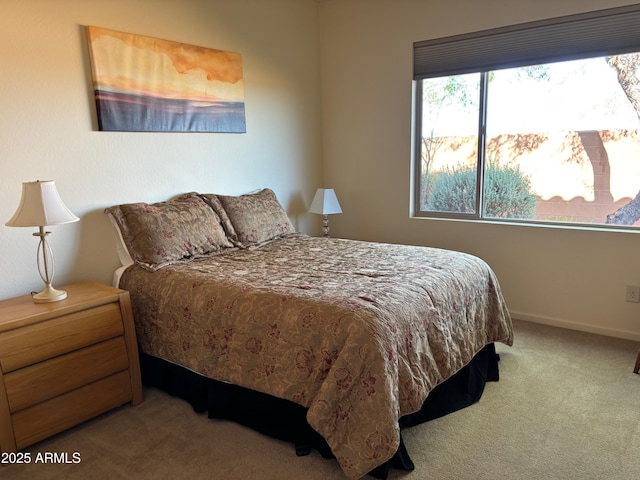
(58, 414)
(41, 341)
(34, 384)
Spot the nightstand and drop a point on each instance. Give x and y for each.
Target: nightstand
(65, 362)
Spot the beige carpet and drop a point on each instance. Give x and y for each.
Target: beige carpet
(567, 406)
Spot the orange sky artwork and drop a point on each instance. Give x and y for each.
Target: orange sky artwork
(139, 65)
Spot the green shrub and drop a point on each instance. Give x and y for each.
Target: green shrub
(508, 192)
(452, 191)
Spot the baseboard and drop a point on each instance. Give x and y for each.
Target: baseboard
(582, 327)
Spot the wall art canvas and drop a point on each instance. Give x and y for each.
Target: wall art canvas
(145, 84)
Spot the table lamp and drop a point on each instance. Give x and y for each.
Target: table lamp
(325, 203)
(41, 206)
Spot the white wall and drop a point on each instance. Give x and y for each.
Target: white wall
(570, 278)
(48, 124)
(355, 133)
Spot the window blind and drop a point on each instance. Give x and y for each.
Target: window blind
(592, 34)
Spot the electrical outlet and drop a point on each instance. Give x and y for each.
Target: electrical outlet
(633, 294)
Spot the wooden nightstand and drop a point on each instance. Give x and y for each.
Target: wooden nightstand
(65, 362)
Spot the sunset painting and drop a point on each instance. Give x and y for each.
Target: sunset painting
(152, 85)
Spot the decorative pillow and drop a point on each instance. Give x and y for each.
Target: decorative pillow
(214, 202)
(256, 217)
(165, 233)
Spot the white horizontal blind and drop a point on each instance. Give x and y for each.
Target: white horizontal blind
(592, 34)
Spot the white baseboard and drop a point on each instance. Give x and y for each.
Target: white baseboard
(582, 327)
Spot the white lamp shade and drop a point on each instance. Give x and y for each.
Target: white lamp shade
(40, 206)
(325, 202)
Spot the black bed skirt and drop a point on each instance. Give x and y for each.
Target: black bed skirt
(286, 420)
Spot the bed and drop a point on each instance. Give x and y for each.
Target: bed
(331, 343)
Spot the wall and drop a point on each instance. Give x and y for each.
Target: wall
(49, 131)
(570, 278)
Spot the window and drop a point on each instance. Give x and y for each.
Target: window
(505, 136)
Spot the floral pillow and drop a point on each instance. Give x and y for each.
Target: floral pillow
(165, 233)
(255, 217)
(214, 202)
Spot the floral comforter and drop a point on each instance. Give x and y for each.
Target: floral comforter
(358, 332)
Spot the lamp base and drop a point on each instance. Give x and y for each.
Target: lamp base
(325, 226)
(49, 294)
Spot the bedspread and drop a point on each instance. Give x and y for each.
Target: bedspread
(357, 332)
